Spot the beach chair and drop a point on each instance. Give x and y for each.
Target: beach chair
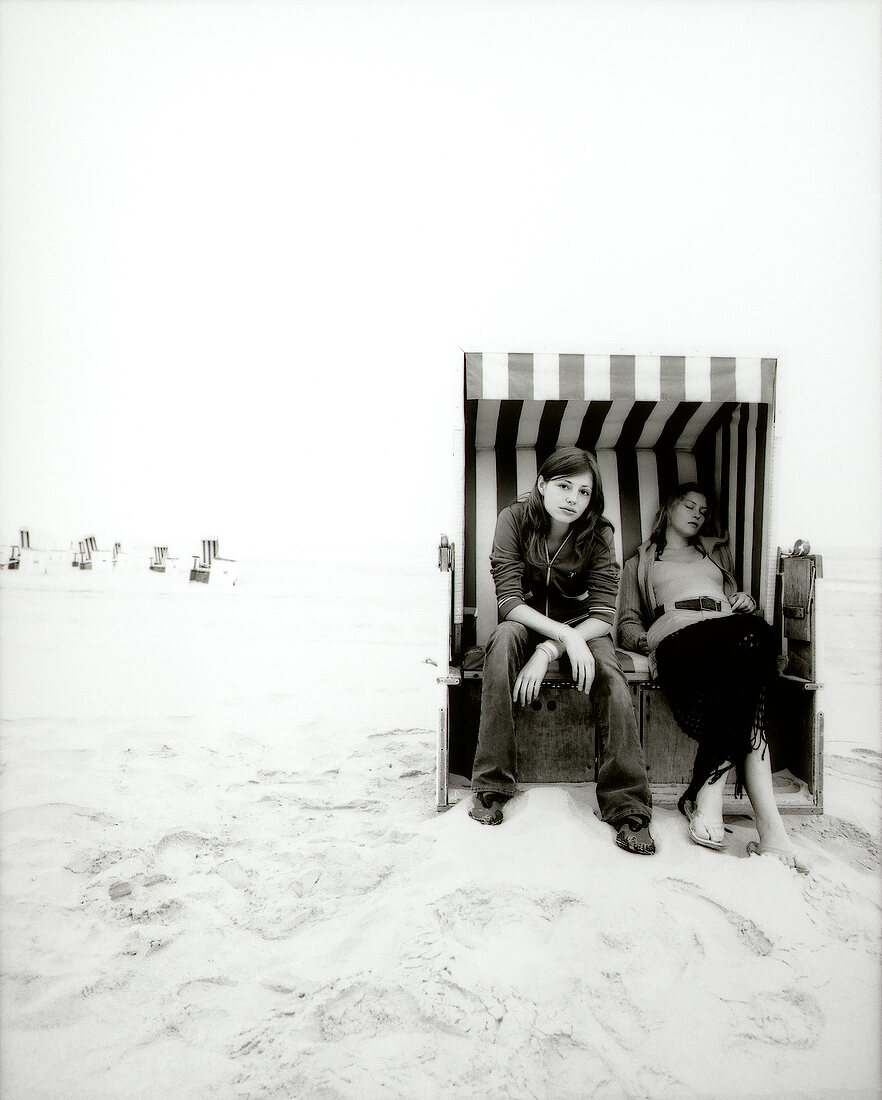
(15, 552)
(157, 563)
(82, 557)
(95, 558)
(201, 570)
(652, 422)
(212, 565)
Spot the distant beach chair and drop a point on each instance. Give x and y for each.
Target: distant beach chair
(81, 559)
(158, 562)
(30, 559)
(212, 565)
(91, 557)
(652, 422)
(14, 559)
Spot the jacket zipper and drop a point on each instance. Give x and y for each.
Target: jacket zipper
(551, 562)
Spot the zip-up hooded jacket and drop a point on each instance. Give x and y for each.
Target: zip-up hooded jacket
(638, 603)
(570, 589)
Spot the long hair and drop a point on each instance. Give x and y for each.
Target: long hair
(659, 534)
(565, 462)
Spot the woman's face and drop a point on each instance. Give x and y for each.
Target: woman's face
(688, 515)
(566, 498)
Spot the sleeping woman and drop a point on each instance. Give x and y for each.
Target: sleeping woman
(556, 581)
(716, 661)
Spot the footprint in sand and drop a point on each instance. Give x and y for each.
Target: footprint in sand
(468, 916)
(151, 889)
(364, 1007)
(232, 872)
(448, 1004)
(790, 1018)
(94, 862)
(152, 907)
(165, 752)
(750, 935)
(181, 851)
(839, 839)
(842, 914)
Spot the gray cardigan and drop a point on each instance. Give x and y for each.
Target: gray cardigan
(637, 601)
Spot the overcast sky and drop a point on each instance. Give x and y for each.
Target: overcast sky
(244, 243)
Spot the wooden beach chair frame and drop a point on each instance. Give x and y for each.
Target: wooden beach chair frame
(652, 422)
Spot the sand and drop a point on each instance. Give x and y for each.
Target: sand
(224, 876)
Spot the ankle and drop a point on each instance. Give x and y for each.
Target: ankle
(709, 801)
(771, 830)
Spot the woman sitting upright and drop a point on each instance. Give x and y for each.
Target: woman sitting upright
(715, 659)
(556, 581)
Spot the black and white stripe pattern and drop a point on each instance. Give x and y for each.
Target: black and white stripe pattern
(517, 376)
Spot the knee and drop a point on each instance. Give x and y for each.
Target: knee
(504, 650)
(605, 660)
(610, 681)
(506, 637)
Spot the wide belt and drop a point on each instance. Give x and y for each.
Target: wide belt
(702, 603)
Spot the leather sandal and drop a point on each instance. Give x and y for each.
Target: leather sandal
(787, 856)
(715, 837)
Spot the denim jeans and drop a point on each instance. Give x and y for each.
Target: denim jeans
(622, 782)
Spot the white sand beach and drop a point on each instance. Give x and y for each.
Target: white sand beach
(224, 876)
(245, 246)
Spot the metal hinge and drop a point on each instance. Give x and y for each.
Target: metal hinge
(807, 685)
(445, 555)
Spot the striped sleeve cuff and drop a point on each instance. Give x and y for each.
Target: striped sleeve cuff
(508, 603)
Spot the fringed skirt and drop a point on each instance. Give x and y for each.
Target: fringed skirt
(717, 675)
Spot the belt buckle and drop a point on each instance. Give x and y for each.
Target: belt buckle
(708, 604)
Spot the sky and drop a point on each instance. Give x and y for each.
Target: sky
(244, 244)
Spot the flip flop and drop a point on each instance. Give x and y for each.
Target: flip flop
(697, 820)
(634, 836)
(788, 857)
(486, 808)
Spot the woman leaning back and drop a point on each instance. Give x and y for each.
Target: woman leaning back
(716, 661)
(556, 581)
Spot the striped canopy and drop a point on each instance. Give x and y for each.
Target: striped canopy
(528, 376)
(651, 421)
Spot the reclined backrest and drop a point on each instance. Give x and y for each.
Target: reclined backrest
(652, 422)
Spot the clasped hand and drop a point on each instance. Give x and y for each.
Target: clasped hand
(529, 681)
(741, 601)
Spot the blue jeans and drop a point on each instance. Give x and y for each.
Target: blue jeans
(622, 782)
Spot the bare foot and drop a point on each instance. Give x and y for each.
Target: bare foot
(706, 822)
(702, 829)
(787, 855)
